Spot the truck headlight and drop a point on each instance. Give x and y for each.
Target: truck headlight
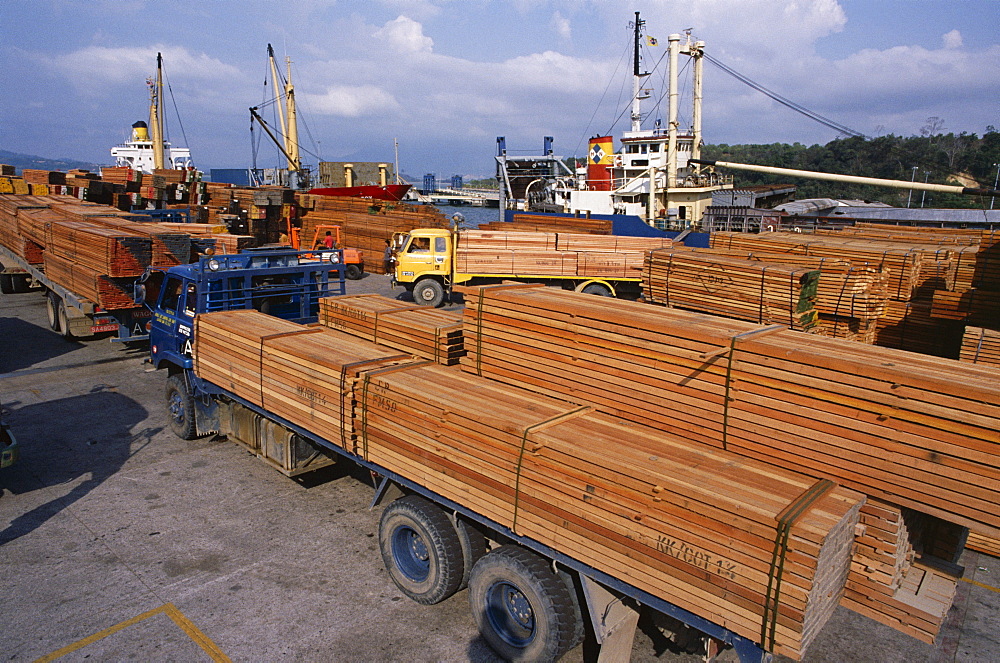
(214, 265)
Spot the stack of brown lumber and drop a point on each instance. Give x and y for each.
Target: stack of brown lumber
(690, 525)
(303, 374)
(494, 240)
(910, 429)
(120, 175)
(857, 330)
(732, 287)
(973, 306)
(610, 243)
(365, 224)
(35, 176)
(424, 332)
(890, 583)
(981, 346)
(227, 243)
(169, 247)
(549, 223)
(983, 544)
(103, 250)
(110, 292)
(695, 526)
(12, 239)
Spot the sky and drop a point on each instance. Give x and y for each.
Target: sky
(446, 77)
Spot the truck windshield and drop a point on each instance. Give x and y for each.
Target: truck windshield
(171, 294)
(419, 245)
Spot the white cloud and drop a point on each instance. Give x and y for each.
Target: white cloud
(405, 35)
(561, 25)
(351, 101)
(102, 66)
(952, 39)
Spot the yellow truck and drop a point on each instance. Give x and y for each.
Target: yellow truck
(429, 262)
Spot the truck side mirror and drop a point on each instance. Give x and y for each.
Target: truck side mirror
(139, 294)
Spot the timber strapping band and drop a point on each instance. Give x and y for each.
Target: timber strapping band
(344, 424)
(786, 519)
(558, 419)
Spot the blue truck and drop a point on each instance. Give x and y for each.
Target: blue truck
(531, 602)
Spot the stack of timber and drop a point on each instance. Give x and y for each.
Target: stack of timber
(690, 525)
(974, 306)
(984, 544)
(910, 326)
(12, 239)
(732, 287)
(759, 550)
(303, 374)
(547, 223)
(552, 254)
(365, 224)
(103, 250)
(110, 292)
(891, 582)
(903, 427)
(421, 331)
(981, 346)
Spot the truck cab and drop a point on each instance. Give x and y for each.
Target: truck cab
(425, 264)
(274, 281)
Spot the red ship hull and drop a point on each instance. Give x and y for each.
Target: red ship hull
(392, 192)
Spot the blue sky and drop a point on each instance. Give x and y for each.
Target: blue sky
(446, 77)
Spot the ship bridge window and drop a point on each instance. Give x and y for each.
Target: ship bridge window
(655, 147)
(632, 149)
(640, 162)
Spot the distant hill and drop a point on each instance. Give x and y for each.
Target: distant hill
(22, 161)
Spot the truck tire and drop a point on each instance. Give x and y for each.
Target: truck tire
(598, 289)
(7, 284)
(473, 548)
(428, 292)
(64, 322)
(180, 408)
(522, 608)
(421, 550)
(52, 304)
(353, 272)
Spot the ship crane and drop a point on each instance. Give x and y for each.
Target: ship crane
(852, 179)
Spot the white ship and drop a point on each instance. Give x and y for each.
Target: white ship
(147, 150)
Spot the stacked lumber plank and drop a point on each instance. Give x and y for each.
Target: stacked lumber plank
(424, 332)
(227, 243)
(548, 223)
(365, 224)
(609, 243)
(981, 346)
(857, 330)
(110, 292)
(732, 287)
(12, 239)
(909, 326)
(36, 176)
(104, 250)
(984, 544)
(303, 374)
(913, 430)
(169, 247)
(973, 306)
(693, 526)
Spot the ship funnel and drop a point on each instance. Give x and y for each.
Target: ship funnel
(140, 131)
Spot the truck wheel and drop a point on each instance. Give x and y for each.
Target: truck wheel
(52, 310)
(64, 322)
(7, 284)
(353, 272)
(521, 606)
(597, 289)
(421, 550)
(428, 292)
(473, 548)
(180, 408)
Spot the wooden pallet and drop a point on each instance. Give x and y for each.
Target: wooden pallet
(913, 430)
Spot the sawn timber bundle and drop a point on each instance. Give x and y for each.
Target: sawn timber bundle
(913, 430)
(732, 287)
(757, 549)
(424, 332)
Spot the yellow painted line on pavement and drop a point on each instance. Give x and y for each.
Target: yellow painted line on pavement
(983, 585)
(169, 609)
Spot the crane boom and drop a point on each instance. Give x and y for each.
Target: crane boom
(853, 179)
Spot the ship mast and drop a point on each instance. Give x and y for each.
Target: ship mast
(637, 76)
(155, 117)
(292, 132)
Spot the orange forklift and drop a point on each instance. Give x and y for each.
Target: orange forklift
(354, 259)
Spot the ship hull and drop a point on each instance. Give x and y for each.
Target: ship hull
(391, 192)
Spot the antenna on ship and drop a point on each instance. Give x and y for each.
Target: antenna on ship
(637, 75)
(155, 116)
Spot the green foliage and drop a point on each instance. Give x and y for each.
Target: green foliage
(938, 158)
(488, 183)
